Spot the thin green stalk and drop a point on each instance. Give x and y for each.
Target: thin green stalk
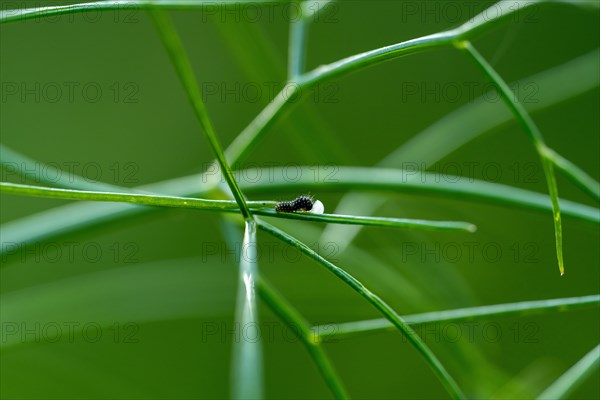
(288, 96)
(575, 376)
(358, 178)
(464, 125)
(185, 72)
(553, 191)
(447, 381)
(410, 181)
(250, 136)
(227, 206)
(534, 134)
(475, 24)
(247, 374)
(504, 9)
(299, 27)
(493, 14)
(41, 12)
(135, 198)
(516, 107)
(288, 314)
(69, 218)
(575, 174)
(520, 309)
(297, 43)
(375, 221)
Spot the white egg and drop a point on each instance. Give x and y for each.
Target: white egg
(317, 208)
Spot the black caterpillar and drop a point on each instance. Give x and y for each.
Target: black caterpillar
(302, 203)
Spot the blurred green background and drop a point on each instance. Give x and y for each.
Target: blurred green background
(156, 293)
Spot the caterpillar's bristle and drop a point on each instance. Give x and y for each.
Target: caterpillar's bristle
(303, 203)
(284, 206)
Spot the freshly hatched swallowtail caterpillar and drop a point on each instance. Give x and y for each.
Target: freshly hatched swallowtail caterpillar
(301, 203)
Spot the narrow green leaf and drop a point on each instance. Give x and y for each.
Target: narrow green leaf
(375, 221)
(571, 379)
(443, 375)
(135, 198)
(519, 309)
(534, 134)
(464, 125)
(71, 217)
(302, 329)
(575, 174)
(226, 206)
(552, 188)
(185, 72)
(39, 12)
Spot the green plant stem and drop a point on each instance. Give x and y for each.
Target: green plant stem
(575, 174)
(289, 95)
(375, 221)
(346, 178)
(135, 198)
(107, 5)
(185, 72)
(570, 380)
(227, 206)
(475, 24)
(465, 124)
(520, 309)
(288, 314)
(410, 181)
(247, 374)
(297, 43)
(72, 217)
(534, 134)
(376, 302)
(250, 136)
